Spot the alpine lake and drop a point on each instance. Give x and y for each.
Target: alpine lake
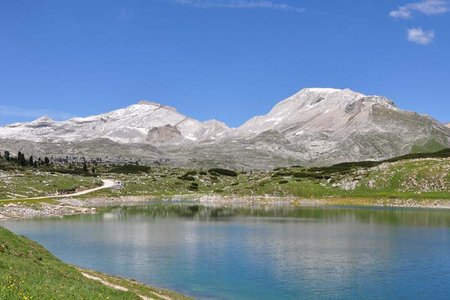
(279, 252)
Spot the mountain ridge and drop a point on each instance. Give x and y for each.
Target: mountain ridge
(130, 124)
(315, 126)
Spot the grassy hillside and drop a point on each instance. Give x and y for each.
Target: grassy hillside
(28, 271)
(32, 183)
(25, 182)
(418, 176)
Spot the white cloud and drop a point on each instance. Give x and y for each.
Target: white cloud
(426, 7)
(13, 111)
(420, 36)
(241, 4)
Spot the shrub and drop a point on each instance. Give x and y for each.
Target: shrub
(130, 169)
(225, 172)
(193, 186)
(186, 177)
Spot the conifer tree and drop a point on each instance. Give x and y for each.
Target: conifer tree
(21, 161)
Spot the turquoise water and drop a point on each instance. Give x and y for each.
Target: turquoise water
(278, 253)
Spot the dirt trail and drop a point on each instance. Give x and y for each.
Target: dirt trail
(122, 288)
(104, 282)
(107, 183)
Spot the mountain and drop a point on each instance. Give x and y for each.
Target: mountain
(128, 125)
(313, 127)
(330, 125)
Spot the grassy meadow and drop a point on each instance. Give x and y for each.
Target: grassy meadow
(418, 176)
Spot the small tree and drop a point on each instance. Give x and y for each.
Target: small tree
(21, 161)
(46, 161)
(7, 155)
(31, 161)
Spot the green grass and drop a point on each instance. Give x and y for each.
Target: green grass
(32, 183)
(28, 271)
(430, 146)
(418, 176)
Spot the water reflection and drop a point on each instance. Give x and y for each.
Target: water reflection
(261, 253)
(394, 216)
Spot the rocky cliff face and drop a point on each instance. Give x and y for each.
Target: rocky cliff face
(312, 127)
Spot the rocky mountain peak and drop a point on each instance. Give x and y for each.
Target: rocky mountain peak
(332, 96)
(145, 102)
(214, 122)
(317, 99)
(150, 105)
(313, 109)
(313, 126)
(326, 90)
(43, 119)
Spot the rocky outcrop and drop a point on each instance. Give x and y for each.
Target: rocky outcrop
(167, 134)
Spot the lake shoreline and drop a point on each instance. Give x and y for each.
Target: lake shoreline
(74, 206)
(76, 282)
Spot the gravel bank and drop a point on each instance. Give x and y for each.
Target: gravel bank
(74, 206)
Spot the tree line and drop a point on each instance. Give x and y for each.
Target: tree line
(23, 161)
(31, 161)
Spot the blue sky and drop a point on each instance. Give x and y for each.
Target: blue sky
(223, 59)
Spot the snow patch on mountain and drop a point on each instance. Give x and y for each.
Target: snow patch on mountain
(127, 125)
